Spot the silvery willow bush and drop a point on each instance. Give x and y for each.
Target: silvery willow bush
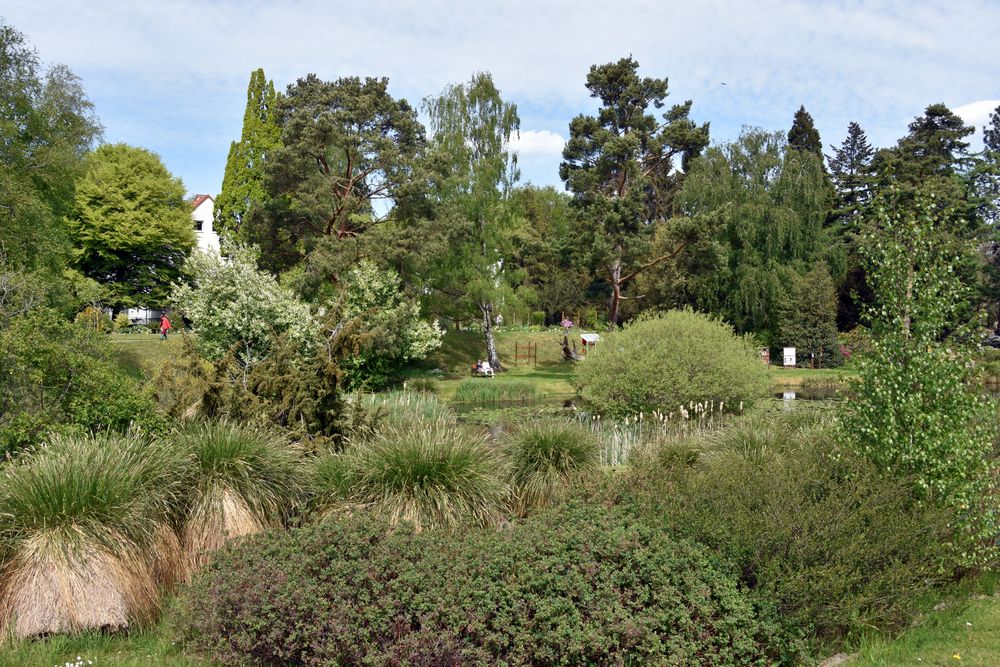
(663, 362)
(915, 413)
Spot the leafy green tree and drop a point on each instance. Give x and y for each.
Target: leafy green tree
(915, 413)
(803, 135)
(548, 246)
(472, 128)
(766, 206)
(346, 165)
(131, 226)
(620, 167)
(243, 183)
(47, 125)
(807, 315)
(59, 376)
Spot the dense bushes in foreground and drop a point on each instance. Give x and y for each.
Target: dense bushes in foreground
(837, 546)
(580, 584)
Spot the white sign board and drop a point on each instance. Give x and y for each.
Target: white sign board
(789, 356)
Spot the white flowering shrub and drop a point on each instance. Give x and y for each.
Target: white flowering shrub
(389, 329)
(235, 307)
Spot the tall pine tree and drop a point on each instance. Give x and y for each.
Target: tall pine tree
(852, 173)
(243, 183)
(851, 170)
(804, 136)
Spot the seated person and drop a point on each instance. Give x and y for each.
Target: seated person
(486, 368)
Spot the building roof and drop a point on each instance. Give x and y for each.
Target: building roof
(200, 199)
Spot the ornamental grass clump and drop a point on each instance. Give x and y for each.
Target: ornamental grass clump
(433, 474)
(79, 520)
(244, 478)
(545, 460)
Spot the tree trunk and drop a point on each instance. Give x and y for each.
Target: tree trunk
(491, 344)
(616, 291)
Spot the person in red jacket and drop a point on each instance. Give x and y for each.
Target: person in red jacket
(164, 326)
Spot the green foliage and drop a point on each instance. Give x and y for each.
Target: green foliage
(243, 183)
(659, 363)
(131, 226)
(94, 318)
(57, 375)
(767, 206)
(936, 430)
(236, 308)
(837, 546)
(481, 391)
(807, 316)
(433, 474)
(619, 165)
(346, 163)
(474, 173)
(578, 585)
(47, 124)
(257, 465)
(389, 331)
(803, 136)
(546, 458)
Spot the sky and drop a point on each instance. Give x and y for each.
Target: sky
(171, 75)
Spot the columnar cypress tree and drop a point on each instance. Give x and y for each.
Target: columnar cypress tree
(243, 183)
(804, 136)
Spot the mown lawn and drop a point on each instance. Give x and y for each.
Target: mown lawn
(143, 354)
(794, 377)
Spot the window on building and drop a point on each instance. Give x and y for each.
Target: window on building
(197, 225)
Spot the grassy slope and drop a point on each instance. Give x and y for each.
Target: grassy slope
(461, 349)
(966, 634)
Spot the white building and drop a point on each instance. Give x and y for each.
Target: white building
(203, 209)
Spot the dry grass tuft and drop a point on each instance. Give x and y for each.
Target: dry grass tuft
(49, 589)
(244, 479)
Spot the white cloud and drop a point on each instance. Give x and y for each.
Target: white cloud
(978, 113)
(172, 75)
(538, 142)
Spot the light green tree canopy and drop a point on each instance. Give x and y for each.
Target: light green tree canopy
(476, 171)
(46, 127)
(131, 227)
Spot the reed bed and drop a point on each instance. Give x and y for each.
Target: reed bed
(487, 391)
(619, 438)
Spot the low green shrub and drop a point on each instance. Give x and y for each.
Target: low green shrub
(575, 585)
(481, 391)
(837, 546)
(537, 318)
(56, 375)
(546, 457)
(433, 474)
(662, 363)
